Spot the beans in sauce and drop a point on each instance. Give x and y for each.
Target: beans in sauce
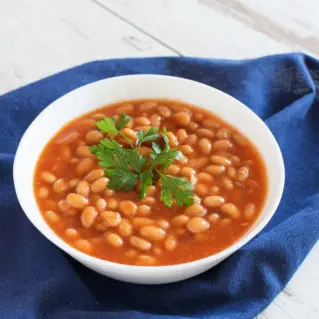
(228, 174)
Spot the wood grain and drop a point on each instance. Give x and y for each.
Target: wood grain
(285, 21)
(194, 28)
(39, 38)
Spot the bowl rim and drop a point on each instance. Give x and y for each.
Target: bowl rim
(246, 237)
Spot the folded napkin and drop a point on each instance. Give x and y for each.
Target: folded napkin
(37, 280)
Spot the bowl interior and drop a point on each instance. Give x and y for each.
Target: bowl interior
(108, 91)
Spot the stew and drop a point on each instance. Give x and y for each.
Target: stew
(224, 169)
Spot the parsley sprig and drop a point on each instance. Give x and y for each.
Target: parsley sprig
(127, 168)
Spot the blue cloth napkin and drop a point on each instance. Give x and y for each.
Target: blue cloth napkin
(37, 280)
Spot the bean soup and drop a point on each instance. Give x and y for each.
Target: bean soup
(187, 186)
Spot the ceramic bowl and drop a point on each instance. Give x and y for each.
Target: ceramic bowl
(100, 93)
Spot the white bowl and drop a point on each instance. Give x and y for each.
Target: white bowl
(97, 94)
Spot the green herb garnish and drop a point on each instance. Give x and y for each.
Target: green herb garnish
(127, 168)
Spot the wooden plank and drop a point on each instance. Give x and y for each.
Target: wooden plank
(292, 22)
(39, 38)
(194, 28)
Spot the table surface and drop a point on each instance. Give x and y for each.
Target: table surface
(42, 37)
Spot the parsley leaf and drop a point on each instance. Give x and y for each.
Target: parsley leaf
(137, 161)
(166, 140)
(156, 148)
(177, 187)
(164, 157)
(151, 135)
(120, 178)
(112, 154)
(107, 125)
(126, 168)
(146, 179)
(122, 121)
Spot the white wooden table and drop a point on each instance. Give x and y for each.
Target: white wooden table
(41, 37)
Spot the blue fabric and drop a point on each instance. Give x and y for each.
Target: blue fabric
(37, 280)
